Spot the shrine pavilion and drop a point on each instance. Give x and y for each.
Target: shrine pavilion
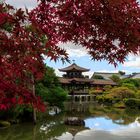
(77, 84)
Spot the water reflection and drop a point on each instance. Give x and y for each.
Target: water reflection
(129, 134)
(106, 124)
(100, 124)
(103, 128)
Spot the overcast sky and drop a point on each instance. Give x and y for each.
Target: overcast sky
(23, 3)
(79, 54)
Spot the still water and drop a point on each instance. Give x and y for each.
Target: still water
(100, 124)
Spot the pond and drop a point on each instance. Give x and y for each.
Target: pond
(101, 123)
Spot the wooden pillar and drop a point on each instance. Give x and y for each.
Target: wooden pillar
(79, 99)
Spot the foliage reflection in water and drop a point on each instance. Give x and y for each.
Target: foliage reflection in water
(101, 122)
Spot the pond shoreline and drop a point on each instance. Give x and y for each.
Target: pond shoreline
(97, 119)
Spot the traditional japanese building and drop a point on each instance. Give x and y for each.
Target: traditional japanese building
(103, 79)
(74, 80)
(78, 85)
(105, 75)
(135, 75)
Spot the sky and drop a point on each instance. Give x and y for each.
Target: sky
(79, 54)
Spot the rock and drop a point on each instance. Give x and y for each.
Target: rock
(4, 124)
(54, 110)
(74, 121)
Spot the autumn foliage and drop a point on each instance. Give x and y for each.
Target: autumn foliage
(20, 58)
(109, 29)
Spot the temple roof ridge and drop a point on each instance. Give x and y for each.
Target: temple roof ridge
(72, 67)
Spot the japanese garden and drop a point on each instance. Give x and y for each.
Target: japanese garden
(37, 104)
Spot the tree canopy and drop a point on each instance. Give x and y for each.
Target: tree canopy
(49, 89)
(20, 58)
(109, 29)
(115, 78)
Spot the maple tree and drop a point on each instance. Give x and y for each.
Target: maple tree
(21, 50)
(109, 29)
(50, 90)
(19, 57)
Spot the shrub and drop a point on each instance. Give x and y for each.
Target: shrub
(115, 95)
(121, 93)
(108, 100)
(135, 82)
(119, 105)
(132, 103)
(56, 97)
(107, 87)
(130, 86)
(49, 89)
(96, 91)
(138, 94)
(100, 99)
(105, 99)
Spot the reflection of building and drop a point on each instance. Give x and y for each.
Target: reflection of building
(78, 85)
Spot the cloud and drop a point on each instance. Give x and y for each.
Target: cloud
(133, 61)
(30, 4)
(74, 50)
(90, 73)
(58, 73)
(107, 71)
(96, 124)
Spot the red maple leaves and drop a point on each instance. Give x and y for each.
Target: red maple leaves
(109, 29)
(20, 57)
(3, 18)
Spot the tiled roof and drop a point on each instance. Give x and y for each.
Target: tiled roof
(125, 76)
(69, 80)
(64, 80)
(84, 80)
(103, 82)
(74, 67)
(105, 75)
(135, 75)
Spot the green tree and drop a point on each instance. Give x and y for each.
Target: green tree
(49, 89)
(121, 93)
(107, 87)
(121, 72)
(135, 82)
(56, 96)
(132, 103)
(93, 91)
(138, 94)
(130, 86)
